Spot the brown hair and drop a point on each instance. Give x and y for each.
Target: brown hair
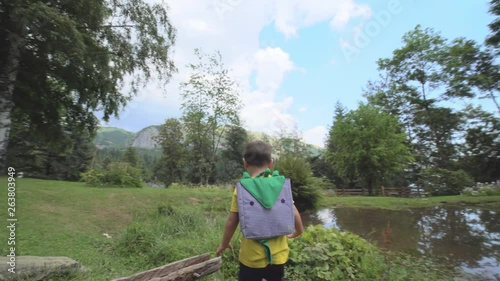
(258, 153)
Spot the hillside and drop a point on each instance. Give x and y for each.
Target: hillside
(111, 137)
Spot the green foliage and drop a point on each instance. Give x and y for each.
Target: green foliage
(481, 149)
(305, 188)
(36, 157)
(71, 59)
(289, 141)
(483, 190)
(494, 38)
(427, 70)
(230, 166)
(210, 103)
(328, 254)
(169, 235)
(170, 167)
(444, 182)
(131, 157)
(118, 174)
(367, 144)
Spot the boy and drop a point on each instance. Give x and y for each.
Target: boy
(255, 264)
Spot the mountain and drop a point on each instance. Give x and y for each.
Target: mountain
(145, 138)
(111, 137)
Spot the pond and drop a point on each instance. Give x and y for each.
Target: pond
(461, 237)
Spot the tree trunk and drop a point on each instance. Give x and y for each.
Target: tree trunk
(370, 186)
(8, 74)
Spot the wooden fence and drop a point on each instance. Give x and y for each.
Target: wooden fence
(384, 191)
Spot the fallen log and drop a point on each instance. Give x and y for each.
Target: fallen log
(183, 270)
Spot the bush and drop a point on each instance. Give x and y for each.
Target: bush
(484, 190)
(120, 174)
(444, 182)
(328, 254)
(323, 254)
(305, 189)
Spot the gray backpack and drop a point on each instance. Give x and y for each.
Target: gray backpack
(259, 222)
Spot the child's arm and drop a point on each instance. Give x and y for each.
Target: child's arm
(299, 228)
(231, 224)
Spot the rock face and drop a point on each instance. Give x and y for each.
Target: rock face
(145, 138)
(38, 268)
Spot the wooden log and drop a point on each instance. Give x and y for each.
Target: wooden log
(193, 272)
(165, 270)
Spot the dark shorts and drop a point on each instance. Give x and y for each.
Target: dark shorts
(273, 272)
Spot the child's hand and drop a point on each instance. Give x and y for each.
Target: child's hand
(221, 249)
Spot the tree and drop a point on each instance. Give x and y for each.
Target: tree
(37, 158)
(494, 38)
(230, 165)
(480, 153)
(132, 157)
(427, 71)
(288, 141)
(368, 144)
(210, 105)
(171, 165)
(63, 60)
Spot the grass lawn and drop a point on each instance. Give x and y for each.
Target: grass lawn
(57, 218)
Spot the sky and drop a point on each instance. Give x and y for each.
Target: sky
(294, 59)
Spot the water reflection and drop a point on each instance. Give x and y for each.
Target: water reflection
(467, 238)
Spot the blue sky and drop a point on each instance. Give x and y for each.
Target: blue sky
(290, 56)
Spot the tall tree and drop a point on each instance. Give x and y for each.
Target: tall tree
(494, 38)
(480, 153)
(132, 157)
(171, 165)
(65, 59)
(416, 81)
(230, 165)
(210, 104)
(288, 141)
(37, 158)
(369, 144)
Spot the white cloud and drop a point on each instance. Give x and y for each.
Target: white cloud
(292, 15)
(316, 135)
(303, 109)
(271, 65)
(233, 27)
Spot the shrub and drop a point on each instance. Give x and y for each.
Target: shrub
(306, 192)
(120, 174)
(323, 254)
(444, 182)
(484, 190)
(328, 254)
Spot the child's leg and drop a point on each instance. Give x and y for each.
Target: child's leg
(250, 274)
(275, 272)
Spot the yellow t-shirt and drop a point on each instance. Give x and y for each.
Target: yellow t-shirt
(252, 253)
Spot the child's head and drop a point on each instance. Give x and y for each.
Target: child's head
(258, 154)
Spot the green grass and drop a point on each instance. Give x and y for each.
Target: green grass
(404, 203)
(57, 218)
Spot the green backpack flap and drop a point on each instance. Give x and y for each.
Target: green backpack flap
(264, 188)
